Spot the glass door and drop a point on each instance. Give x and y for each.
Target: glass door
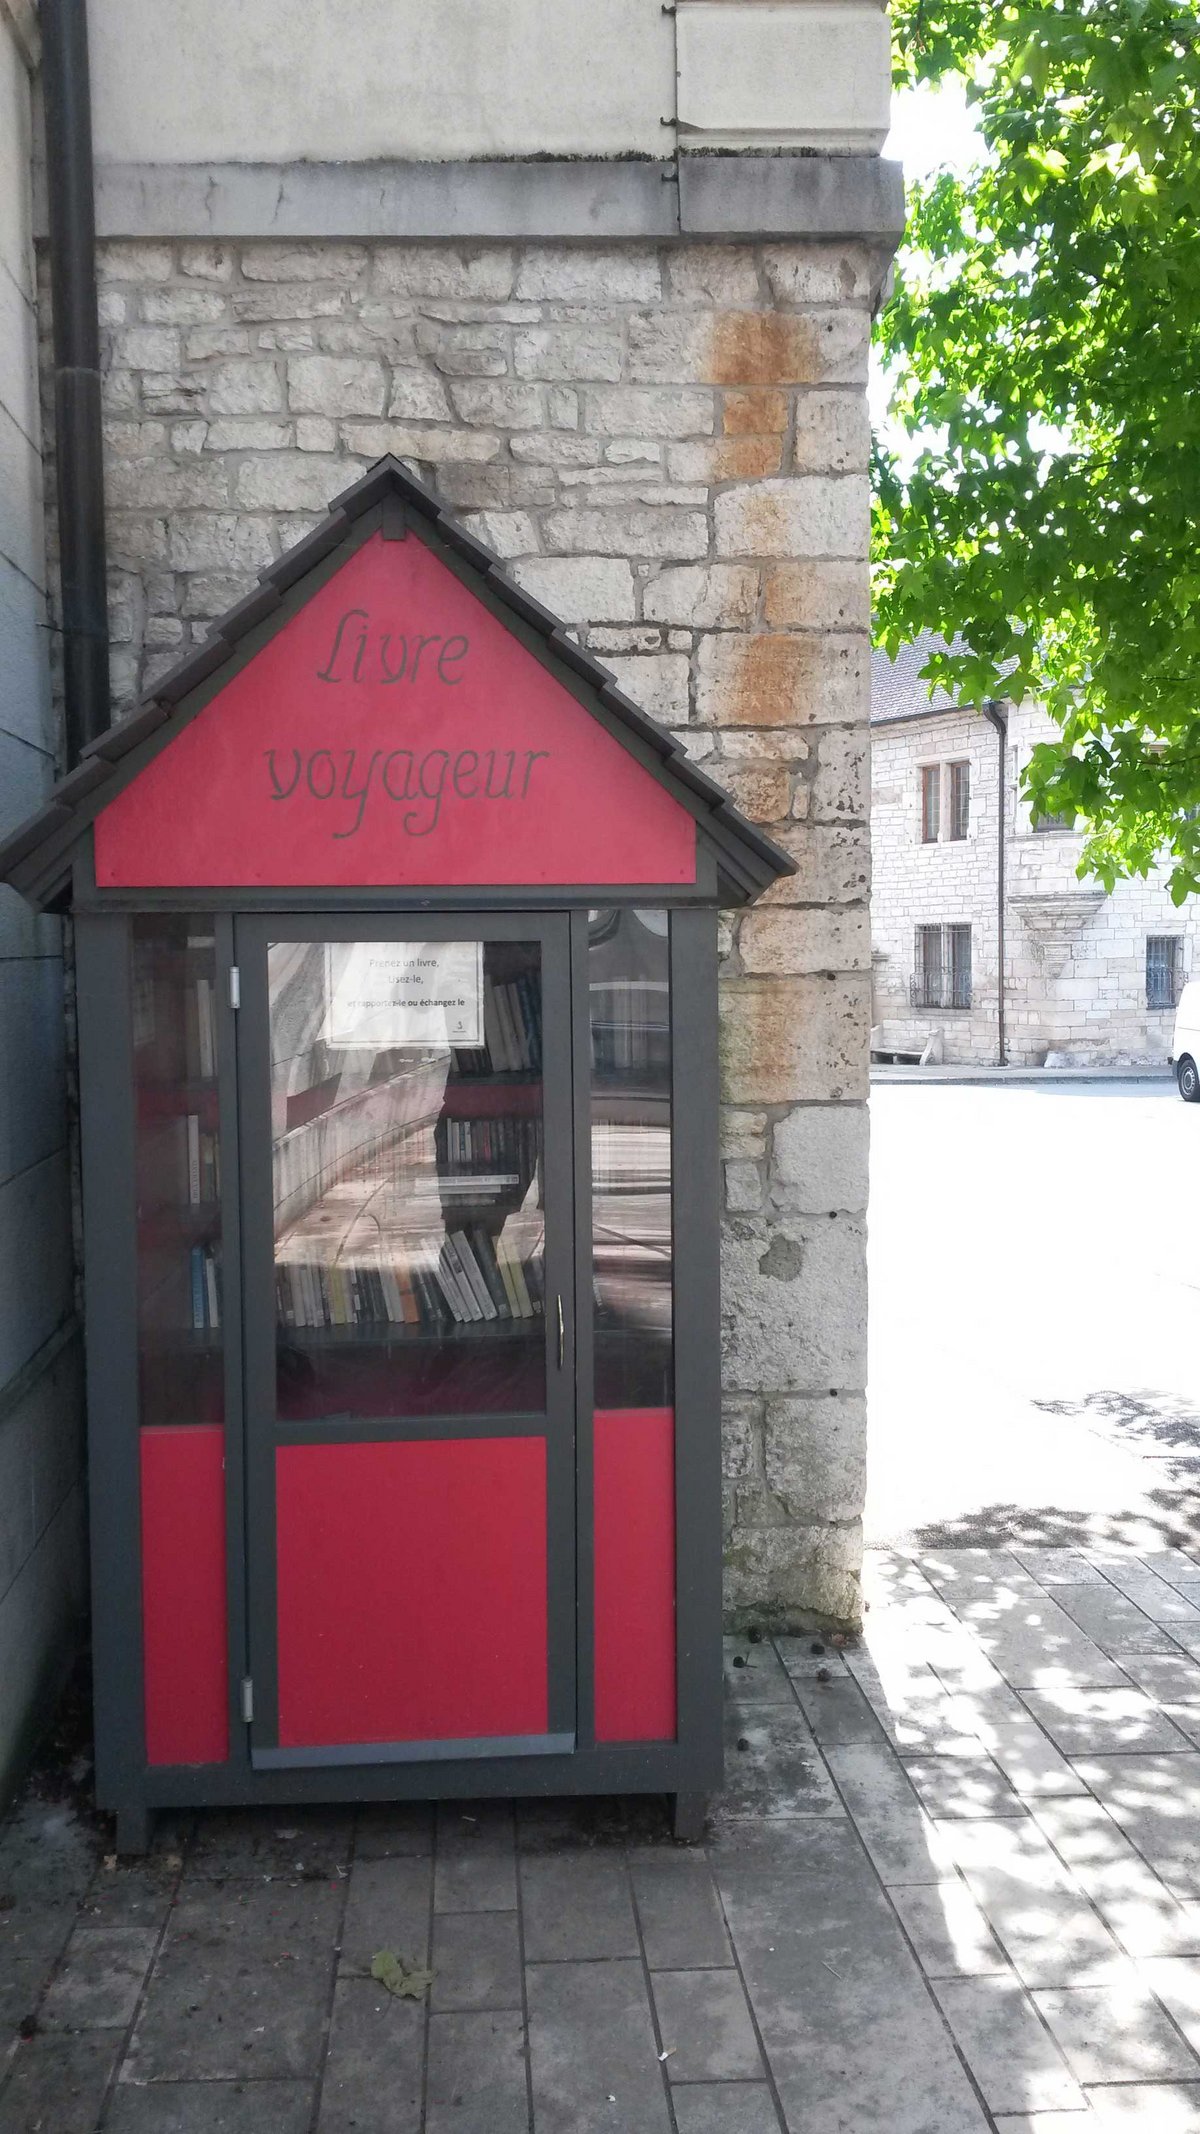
(406, 1153)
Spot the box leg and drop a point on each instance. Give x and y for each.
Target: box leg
(134, 1825)
(688, 1811)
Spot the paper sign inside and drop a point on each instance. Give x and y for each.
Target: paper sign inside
(383, 993)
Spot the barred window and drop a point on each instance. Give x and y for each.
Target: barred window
(931, 802)
(942, 978)
(960, 800)
(1163, 961)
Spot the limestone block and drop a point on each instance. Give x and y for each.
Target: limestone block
(841, 784)
(167, 393)
(781, 680)
(833, 865)
(316, 433)
(750, 348)
(715, 596)
(811, 515)
(268, 306)
(786, 1040)
(206, 262)
(219, 541)
(413, 441)
(550, 448)
(342, 263)
(741, 1439)
(813, 938)
(763, 792)
(570, 353)
(743, 1188)
(627, 531)
(657, 683)
(833, 433)
(823, 273)
(507, 533)
(416, 397)
(180, 307)
(484, 274)
(793, 1303)
(251, 388)
(713, 274)
(743, 1133)
(497, 403)
(134, 538)
(336, 385)
(136, 262)
(284, 483)
(244, 434)
(582, 589)
(576, 274)
(208, 341)
(784, 1577)
(466, 351)
(636, 411)
(210, 593)
(754, 412)
(820, 1157)
(725, 459)
(161, 484)
(156, 348)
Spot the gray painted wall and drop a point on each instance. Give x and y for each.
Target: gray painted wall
(41, 1502)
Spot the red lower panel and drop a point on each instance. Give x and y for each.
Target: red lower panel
(634, 1493)
(183, 1594)
(411, 1590)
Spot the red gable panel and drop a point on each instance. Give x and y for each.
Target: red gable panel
(393, 732)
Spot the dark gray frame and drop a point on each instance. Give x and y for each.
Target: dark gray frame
(555, 1424)
(689, 1767)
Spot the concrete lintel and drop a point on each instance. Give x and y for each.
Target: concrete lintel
(791, 196)
(406, 200)
(708, 196)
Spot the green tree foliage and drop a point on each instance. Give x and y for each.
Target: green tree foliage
(1044, 347)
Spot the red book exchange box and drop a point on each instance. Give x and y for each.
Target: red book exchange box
(395, 929)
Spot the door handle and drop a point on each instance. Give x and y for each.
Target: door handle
(561, 1334)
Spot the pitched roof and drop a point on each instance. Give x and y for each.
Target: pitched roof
(897, 690)
(32, 854)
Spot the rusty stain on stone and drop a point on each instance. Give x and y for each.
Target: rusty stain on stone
(763, 348)
(755, 413)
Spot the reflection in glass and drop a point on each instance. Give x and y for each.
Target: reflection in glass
(629, 1000)
(406, 1104)
(178, 1171)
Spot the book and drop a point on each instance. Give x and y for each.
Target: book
(480, 1242)
(193, 1155)
(206, 1035)
(212, 1288)
(459, 1245)
(198, 1286)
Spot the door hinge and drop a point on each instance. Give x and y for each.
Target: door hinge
(235, 986)
(247, 1700)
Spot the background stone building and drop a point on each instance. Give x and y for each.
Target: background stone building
(1087, 976)
(605, 278)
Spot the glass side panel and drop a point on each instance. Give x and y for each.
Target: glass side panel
(629, 996)
(178, 1171)
(406, 1103)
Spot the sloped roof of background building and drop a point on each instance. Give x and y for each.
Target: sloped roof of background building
(897, 690)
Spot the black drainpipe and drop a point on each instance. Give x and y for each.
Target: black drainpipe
(78, 448)
(994, 710)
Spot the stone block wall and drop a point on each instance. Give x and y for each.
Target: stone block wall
(668, 445)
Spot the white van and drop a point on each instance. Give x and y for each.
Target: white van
(1185, 1045)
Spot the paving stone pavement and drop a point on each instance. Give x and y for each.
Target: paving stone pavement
(953, 1883)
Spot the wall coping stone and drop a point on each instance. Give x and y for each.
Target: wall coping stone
(729, 197)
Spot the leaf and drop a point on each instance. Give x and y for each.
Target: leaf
(405, 1980)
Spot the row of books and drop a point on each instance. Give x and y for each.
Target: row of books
(512, 1030)
(472, 1277)
(506, 1144)
(206, 1286)
(203, 1160)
